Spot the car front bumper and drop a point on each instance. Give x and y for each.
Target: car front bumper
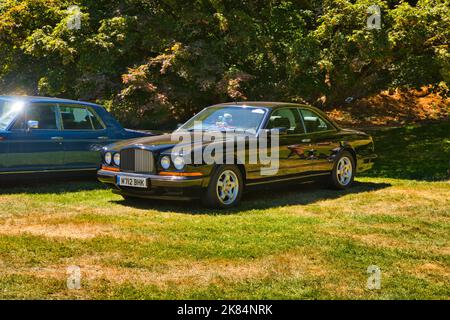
(160, 187)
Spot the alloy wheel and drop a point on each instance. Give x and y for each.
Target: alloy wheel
(344, 171)
(227, 187)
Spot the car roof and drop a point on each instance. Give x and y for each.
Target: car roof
(263, 104)
(276, 105)
(31, 99)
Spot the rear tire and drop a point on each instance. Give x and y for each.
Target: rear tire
(225, 188)
(343, 173)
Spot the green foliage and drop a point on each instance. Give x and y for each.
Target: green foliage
(156, 62)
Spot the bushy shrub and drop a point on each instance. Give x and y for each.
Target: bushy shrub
(155, 63)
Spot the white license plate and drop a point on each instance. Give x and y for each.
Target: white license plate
(135, 182)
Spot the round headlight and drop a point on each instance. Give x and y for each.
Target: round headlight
(108, 157)
(179, 162)
(165, 162)
(117, 159)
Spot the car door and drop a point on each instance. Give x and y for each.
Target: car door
(4, 151)
(292, 155)
(321, 142)
(7, 113)
(37, 148)
(84, 135)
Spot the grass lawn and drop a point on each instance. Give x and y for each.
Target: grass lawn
(303, 242)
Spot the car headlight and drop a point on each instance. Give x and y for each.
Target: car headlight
(117, 159)
(165, 162)
(179, 162)
(108, 157)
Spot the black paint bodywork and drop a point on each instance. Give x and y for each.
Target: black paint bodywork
(302, 156)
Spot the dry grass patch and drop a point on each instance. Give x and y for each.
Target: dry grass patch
(187, 273)
(66, 230)
(432, 269)
(314, 244)
(372, 240)
(397, 200)
(378, 240)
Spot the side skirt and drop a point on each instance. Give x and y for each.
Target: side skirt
(287, 179)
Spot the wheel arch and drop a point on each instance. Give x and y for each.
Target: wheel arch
(347, 147)
(240, 166)
(353, 153)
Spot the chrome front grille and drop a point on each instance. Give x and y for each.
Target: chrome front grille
(137, 160)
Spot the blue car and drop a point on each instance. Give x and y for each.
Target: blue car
(49, 135)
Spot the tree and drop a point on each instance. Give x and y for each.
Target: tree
(159, 61)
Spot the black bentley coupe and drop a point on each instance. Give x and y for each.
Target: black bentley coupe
(229, 147)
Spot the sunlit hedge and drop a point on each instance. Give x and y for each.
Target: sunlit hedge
(155, 63)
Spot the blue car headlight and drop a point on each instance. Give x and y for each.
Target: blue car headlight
(116, 159)
(165, 162)
(179, 163)
(108, 158)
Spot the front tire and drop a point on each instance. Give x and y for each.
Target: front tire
(344, 170)
(225, 188)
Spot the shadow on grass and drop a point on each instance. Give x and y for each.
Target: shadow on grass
(50, 186)
(415, 152)
(257, 199)
(254, 199)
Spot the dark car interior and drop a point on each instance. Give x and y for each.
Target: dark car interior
(286, 118)
(71, 124)
(45, 115)
(279, 122)
(76, 118)
(313, 123)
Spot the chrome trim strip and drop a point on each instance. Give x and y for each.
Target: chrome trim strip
(288, 179)
(148, 176)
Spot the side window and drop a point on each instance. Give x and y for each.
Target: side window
(98, 125)
(286, 118)
(9, 112)
(79, 118)
(44, 114)
(20, 122)
(313, 122)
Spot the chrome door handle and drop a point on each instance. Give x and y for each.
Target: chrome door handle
(103, 138)
(57, 138)
(306, 140)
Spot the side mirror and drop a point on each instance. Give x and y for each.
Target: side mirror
(32, 124)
